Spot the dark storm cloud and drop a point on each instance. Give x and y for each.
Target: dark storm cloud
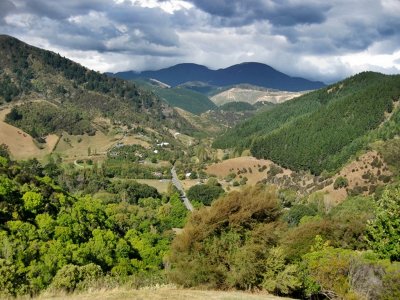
(155, 24)
(278, 13)
(6, 7)
(95, 24)
(64, 9)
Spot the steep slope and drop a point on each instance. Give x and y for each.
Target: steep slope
(180, 97)
(321, 130)
(31, 73)
(250, 73)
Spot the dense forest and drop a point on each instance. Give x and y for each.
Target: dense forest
(317, 131)
(237, 106)
(52, 237)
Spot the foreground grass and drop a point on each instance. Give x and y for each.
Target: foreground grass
(158, 293)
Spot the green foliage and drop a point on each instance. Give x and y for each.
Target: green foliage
(390, 151)
(32, 201)
(49, 238)
(70, 277)
(133, 191)
(384, 230)
(328, 268)
(174, 213)
(280, 277)
(40, 119)
(205, 193)
(128, 169)
(186, 99)
(297, 212)
(29, 70)
(339, 273)
(320, 130)
(340, 182)
(237, 106)
(226, 245)
(8, 90)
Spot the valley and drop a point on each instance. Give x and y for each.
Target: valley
(191, 182)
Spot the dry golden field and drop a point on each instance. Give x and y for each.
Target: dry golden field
(20, 143)
(159, 293)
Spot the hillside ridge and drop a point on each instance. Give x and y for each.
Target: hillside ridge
(254, 73)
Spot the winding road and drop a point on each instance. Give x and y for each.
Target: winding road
(178, 185)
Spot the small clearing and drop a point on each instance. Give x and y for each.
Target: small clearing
(160, 184)
(234, 165)
(77, 146)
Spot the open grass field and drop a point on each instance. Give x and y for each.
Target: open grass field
(160, 185)
(166, 292)
(233, 165)
(135, 140)
(76, 146)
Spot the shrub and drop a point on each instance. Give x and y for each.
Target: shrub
(225, 246)
(340, 182)
(66, 278)
(205, 193)
(297, 212)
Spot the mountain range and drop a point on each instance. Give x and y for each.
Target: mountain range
(253, 73)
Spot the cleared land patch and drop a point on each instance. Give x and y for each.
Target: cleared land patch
(252, 96)
(233, 165)
(20, 143)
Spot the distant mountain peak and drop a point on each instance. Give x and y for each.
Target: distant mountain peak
(254, 73)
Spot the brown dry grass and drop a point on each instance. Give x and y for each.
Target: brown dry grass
(20, 143)
(135, 140)
(99, 144)
(225, 167)
(164, 292)
(353, 172)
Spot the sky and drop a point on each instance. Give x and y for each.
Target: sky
(316, 39)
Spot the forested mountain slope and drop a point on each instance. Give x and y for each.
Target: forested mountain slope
(189, 100)
(320, 130)
(28, 73)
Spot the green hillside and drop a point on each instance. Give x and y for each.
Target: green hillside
(321, 130)
(181, 97)
(237, 106)
(28, 73)
(186, 99)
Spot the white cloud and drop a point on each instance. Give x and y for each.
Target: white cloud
(170, 6)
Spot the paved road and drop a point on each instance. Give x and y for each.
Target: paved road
(178, 185)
